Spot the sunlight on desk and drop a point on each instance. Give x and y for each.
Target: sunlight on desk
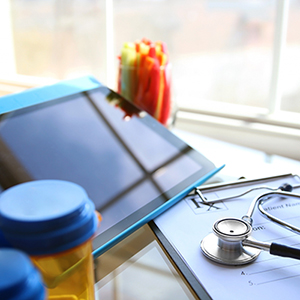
(240, 161)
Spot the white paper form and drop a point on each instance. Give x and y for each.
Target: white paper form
(268, 277)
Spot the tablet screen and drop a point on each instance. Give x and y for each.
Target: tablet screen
(128, 163)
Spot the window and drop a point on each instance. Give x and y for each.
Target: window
(235, 62)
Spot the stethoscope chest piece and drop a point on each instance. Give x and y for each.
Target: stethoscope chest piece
(225, 244)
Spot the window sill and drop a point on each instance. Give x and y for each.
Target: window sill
(266, 137)
(17, 83)
(244, 113)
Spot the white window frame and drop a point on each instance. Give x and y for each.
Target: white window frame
(7, 54)
(269, 130)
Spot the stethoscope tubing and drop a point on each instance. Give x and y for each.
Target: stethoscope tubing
(262, 199)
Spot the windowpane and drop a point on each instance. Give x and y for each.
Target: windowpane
(221, 50)
(291, 62)
(60, 39)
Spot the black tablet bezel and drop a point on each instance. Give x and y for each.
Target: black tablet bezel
(114, 234)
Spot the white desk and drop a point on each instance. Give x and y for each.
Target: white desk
(137, 268)
(240, 161)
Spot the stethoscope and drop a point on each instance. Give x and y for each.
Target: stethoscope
(231, 242)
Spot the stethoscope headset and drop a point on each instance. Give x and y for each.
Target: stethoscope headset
(231, 242)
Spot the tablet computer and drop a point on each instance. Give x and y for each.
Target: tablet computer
(131, 166)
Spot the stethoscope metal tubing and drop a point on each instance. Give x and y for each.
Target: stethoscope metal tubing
(256, 244)
(265, 197)
(264, 213)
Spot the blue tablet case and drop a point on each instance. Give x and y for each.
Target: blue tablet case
(64, 88)
(45, 93)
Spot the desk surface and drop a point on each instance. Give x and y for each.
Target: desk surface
(138, 268)
(240, 161)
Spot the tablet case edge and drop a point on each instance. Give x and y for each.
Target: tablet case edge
(42, 94)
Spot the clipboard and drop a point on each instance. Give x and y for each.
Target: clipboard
(181, 229)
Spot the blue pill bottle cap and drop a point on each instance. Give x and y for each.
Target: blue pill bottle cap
(19, 279)
(46, 216)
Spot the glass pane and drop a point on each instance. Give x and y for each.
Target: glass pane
(291, 62)
(7, 60)
(59, 39)
(220, 50)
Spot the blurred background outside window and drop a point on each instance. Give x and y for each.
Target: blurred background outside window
(240, 58)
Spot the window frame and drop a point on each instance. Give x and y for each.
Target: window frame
(270, 129)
